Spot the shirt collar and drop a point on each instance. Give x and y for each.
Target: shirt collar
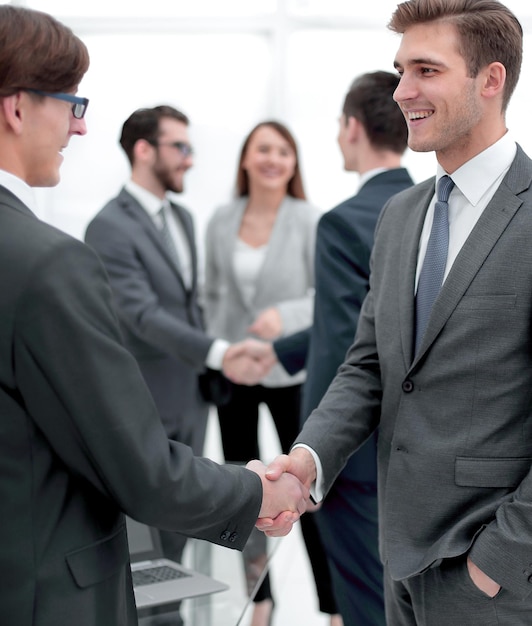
(475, 177)
(149, 201)
(19, 188)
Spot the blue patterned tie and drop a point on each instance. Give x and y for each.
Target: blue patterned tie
(431, 277)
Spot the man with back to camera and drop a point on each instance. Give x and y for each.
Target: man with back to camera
(147, 244)
(372, 138)
(81, 441)
(441, 362)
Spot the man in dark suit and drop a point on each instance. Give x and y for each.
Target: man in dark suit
(147, 244)
(81, 441)
(372, 137)
(447, 383)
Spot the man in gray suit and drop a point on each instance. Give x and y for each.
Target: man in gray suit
(80, 438)
(453, 405)
(147, 245)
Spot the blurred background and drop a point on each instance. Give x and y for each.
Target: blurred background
(229, 65)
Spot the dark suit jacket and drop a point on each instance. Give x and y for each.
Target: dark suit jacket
(455, 422)
(343, 247)
(81, 441)
(160, 317)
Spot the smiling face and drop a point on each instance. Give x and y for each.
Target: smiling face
(269, 161)
(48, 125)
(443, 106)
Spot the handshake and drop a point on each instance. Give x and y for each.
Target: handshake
(249, 361)
(285, 490)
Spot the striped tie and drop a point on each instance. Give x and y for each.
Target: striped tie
(168, 239)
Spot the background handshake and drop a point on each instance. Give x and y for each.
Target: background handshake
(249, 361)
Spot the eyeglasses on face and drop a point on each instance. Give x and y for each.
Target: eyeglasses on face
(183, 147)
(79, 105)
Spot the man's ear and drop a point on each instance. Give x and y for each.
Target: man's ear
(494, 80)
(353, 129)
(12, 110)
(142, 151)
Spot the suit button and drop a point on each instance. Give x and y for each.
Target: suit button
(233, 537)
(408, 386)
(225, 535)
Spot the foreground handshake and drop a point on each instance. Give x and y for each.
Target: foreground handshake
(299, 464)
(284, 500)
(248, 362)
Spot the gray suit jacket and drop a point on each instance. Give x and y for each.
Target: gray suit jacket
(160, 317)
(81, 441)
(285, 281)
(455, 438)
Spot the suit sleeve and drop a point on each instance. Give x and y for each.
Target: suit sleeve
(292, 351)
(138, 304)
(84, 393)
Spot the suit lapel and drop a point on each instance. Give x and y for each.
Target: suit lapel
(229, 242)
(135, 211)
(277, 240)
(484, 236)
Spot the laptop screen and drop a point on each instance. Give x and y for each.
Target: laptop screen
(143, 542)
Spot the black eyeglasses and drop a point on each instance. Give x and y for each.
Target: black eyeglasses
(79, 105)
(183, 147)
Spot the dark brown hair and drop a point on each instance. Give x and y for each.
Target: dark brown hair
(38, 52)
(370, 101)
(295, 184)
(144, 124)
(489, 32)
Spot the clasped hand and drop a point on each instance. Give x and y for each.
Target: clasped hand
(284, 500)
(298, 465)
(247, 362)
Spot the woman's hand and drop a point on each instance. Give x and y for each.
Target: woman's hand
(268, 324)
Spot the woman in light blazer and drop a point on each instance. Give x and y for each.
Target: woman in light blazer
(259, 283)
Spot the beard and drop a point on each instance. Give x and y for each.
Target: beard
(167, 178)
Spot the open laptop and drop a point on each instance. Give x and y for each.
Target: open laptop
(159, 582)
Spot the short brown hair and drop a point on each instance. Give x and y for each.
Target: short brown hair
(370, 101)
(295, 184)
(489, 32)
(144, 124)
(38, 52)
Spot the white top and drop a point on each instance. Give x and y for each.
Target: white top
(247, 264)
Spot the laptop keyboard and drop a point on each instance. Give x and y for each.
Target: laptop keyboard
(157, 574)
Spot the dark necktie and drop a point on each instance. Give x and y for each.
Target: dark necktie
(168, 239)
(432, 272)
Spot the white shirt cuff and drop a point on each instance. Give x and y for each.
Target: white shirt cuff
(215, 356)
(316, 489)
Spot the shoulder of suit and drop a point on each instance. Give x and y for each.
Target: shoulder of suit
(225, 210)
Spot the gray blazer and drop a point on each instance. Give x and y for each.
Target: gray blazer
(286, 279)
(81, 441)
(455, 436)
(160, 317)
